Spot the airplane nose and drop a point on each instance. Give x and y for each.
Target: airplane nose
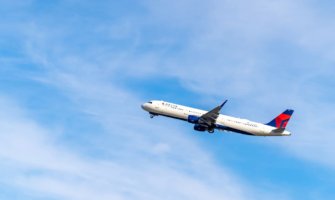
(144, 106)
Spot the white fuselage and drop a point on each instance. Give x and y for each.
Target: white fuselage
(223, 122)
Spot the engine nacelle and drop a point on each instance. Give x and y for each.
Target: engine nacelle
(199, 127)
(193, 119)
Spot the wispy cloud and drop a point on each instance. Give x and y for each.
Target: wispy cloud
(133, 158)
(216, 48)
(41, 164)
(274, 53)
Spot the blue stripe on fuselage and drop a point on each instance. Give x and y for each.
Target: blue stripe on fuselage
(218, 126)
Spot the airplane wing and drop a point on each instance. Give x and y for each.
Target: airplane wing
(210, 117)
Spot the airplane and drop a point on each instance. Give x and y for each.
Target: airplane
(211, 120)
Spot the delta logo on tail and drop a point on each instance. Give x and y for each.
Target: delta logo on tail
(281, 120)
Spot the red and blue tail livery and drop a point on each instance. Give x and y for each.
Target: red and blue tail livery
(212, 120)
(281, 120)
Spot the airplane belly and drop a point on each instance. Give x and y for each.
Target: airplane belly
(261, 131)
(242, 127)
(247, 129)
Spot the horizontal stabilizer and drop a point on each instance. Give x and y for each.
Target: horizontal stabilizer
(279, 130)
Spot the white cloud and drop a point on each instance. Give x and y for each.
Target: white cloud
(229, 44)
(223, 55)
(227, 55)
(43, 165)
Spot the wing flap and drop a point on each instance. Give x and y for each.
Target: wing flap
(210, 117)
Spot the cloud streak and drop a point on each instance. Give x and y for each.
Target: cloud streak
(226, 50)
(274, 53)
(40, 164)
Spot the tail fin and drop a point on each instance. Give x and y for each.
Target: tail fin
(281, 120)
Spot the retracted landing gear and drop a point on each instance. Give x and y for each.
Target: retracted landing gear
(152, 115)
(210, 130)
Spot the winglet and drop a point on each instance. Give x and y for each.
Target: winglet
(223, 103)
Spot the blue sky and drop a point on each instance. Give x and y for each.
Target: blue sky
(73, 75)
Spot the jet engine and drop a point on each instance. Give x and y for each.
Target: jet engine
(193, 119)
(199, 127)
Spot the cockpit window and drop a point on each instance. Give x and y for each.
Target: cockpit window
(150, 102)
